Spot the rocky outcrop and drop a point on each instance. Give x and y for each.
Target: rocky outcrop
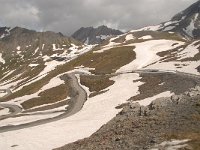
(4, 31)
(90, 35)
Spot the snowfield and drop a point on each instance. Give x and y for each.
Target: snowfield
(1, 59)
(147, 101)
(129, 37)
(146, 53)
(146, 37)
(4, 111)
(187, 67)
(190, 51)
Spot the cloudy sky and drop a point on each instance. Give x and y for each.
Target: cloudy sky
(66, 16)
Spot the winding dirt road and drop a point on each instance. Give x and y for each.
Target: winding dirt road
(79, 96)
(13, 109)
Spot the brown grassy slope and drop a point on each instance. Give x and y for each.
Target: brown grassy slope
(106, 62)
(96, 83)
(156, 35)
(49, 96)
(157, 83)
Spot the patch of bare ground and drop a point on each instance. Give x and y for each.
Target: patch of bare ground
(52, 95)
(121, 39)
(195, 58)
(171, 55)
(157, 35)
(108, 61)
(157, 83)
(27, 90)
(96, 83)
(198, 69)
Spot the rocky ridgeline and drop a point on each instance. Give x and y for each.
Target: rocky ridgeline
(90, 35)
(152, 127)
(186, 22)
(138, 110)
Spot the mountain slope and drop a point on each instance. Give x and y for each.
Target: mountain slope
(92, 35)
(42, 74)
(27, 61)
(116, 64)
(186, 23)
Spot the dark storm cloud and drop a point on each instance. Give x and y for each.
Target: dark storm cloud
(66, 16)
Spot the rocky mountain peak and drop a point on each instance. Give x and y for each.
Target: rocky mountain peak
(91, 35)
(190, 11)
(187, 22)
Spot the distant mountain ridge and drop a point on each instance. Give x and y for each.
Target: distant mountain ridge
(20, 46)
(90, 35)
(30, 39)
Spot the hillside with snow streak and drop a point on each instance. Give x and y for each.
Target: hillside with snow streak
(136, 51)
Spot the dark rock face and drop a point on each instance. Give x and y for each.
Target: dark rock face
(4, 31)
(92, 35)
(187, 22)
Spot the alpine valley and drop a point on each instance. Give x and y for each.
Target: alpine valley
(102, 88)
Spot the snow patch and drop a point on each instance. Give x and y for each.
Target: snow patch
(36, 50)
(4, 111)
(18, 48)
(146, 53)
(148, 28)
(187, 67)
(33, 65)
(129, 37)
(146, 37)
(189, 29)
(43, 46)
(1, 59)
(168, 28)
(172, 145)
(190, 51)
(103, 37)
(147, 101)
